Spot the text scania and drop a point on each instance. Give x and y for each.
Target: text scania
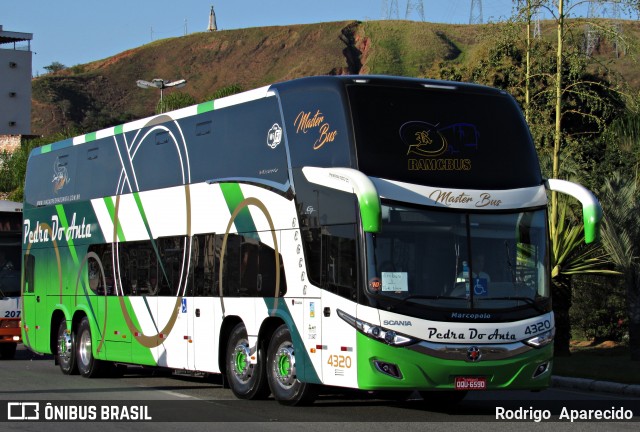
(397, 323)
(43, 233)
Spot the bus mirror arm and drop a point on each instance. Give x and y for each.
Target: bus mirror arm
(591, 208)
(352, 181)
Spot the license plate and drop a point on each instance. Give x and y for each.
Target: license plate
(470, 383)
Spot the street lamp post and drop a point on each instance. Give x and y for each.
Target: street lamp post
(161, 84)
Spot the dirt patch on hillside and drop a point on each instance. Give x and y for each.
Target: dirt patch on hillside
(594, 344)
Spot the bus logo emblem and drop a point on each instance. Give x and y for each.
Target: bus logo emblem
(474, 354)
(274, 137)
(423, 139)
(60, 175)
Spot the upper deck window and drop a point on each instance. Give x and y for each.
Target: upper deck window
(443, 137)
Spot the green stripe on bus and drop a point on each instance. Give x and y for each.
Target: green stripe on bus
(65, 224)
(90, 137)
(233, 197)
(117, 130)
(304, 365)
(205, 107)
(112, 212)
(45, 148)
(136, 196)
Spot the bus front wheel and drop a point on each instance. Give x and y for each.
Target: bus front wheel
(66, 350)
(282, 374)
(246, 379)
(88, 365)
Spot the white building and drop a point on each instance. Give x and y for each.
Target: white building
(15, 86)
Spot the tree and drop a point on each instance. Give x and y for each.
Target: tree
(13, 166)
(621, 238)
(54, 67)
(621, 233)
(226, 91)
(561, 92)
(174, 101)
(568, 105)
(570, 256)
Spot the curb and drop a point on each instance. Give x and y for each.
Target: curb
(595, 385)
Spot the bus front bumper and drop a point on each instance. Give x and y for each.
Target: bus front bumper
(381, 366)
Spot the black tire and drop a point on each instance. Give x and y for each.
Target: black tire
(8, 350)
(443, 399)
(246, 380)
(281, 372)
(66, 350)
(88, 365)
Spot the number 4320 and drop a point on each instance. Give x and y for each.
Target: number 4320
(339, 361)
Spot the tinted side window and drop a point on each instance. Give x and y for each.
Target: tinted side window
(249, 268)
(331, 258)
(138, 268)
(159, 159)
(240, 141)
(101, 260)
(317, 130)
(203, 275)
(51, 178)
(29, 273)
(172, 265)
(99, 162)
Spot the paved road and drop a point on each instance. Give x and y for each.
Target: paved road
(171, 400)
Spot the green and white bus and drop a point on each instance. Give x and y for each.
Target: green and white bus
(364, 232)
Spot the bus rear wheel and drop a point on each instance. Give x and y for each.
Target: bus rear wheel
(88, 365)
(66, 350)
(247, 380)
(281, 371)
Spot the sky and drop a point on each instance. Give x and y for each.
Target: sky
(75, 32)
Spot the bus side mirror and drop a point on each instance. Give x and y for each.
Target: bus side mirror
(591, 208)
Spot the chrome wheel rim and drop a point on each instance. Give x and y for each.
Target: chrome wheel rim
(84, 348)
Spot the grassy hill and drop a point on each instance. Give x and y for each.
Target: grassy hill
(104, 92)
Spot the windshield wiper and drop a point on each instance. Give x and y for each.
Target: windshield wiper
(424, 297)
(527, 300)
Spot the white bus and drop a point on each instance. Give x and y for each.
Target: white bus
(365, 232)
(10, 258)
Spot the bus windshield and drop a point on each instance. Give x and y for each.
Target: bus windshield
(427, 258)
(442, 138)
(9, 268)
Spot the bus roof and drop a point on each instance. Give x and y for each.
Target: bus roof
(10, 206)
(325, 81)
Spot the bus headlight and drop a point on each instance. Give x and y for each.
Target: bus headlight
(542, 339)
(390, 337)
